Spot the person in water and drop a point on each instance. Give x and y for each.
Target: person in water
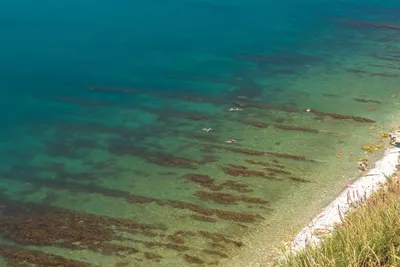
(363, 168)
(232, 141)
(365, 162)
(208, 129)
(235, 109)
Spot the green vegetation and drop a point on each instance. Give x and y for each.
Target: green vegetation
(368, 236)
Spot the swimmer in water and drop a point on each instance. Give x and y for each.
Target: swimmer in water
(365, 162)
(363, 168)
(232, 141)
(208, 129)
(235, 109)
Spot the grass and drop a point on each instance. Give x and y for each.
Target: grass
(368, 236)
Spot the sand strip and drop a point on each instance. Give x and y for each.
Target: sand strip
(365, 186)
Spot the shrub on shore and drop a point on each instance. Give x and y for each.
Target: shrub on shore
(368, 236)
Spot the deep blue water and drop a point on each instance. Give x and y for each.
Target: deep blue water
(51, 47)
(59, 45)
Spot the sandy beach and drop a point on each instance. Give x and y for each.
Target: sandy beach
(261, 248)
(358, 191)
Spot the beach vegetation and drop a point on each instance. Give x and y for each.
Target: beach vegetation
(369, 235)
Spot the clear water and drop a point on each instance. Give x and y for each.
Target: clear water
(104, 160)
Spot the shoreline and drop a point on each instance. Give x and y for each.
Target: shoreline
(264, 249)
(360, 189)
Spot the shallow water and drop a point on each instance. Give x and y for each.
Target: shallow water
(104, 160)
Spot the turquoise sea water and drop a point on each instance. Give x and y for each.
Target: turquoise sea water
(104, 157)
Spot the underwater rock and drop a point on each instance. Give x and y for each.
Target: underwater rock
(202, 218)
(277, 171)
(152, 256)
(15, 256)
(289, 156)
(342, 117)
(240, 167)
(47, 226)
(176, 238)
(297, 128)
(232, 185)
(373, 24)
(255, 123)
(221, 198)
(362, 100)
(200, 178)
(297, 179)
(192, 259)
(236, 216)
(217, 238)
(215, 253)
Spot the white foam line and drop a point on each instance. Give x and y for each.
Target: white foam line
(364, 186)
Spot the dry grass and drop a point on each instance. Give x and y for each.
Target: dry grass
(368, 236)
